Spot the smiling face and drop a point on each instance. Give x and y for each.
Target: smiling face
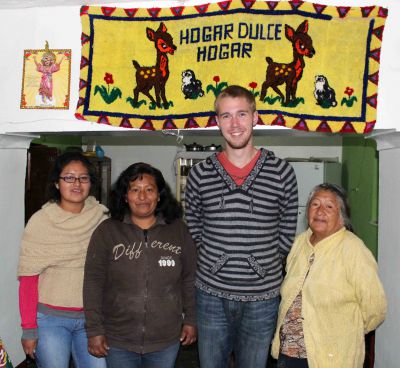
(236, 119)
(73, 195)
(142, 198)
(324, 217)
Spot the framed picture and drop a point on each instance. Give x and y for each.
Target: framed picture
(46, 79)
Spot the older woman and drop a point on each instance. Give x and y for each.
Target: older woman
(139, 294)
(332, 294)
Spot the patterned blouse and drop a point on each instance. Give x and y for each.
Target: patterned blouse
(291, 333)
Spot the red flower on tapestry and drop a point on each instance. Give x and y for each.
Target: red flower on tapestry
(107, 95)
(350, 100)
(349, 91)
(108, 78)
(253, 86)
(218, 86)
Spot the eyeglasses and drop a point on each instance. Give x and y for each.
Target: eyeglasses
(83, 179)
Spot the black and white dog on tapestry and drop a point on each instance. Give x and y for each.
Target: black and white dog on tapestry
(323, 93)
(191, 87)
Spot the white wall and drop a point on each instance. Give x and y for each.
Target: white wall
(12, 188)
(161, 157)
(387, 335)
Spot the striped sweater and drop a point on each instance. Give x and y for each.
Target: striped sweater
(243, 233)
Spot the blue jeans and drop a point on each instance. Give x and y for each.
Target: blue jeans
(60, 337)
(120, 358)
(246, 328)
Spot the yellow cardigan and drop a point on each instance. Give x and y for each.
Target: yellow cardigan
(342, 298)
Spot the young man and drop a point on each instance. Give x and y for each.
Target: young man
(241, 208)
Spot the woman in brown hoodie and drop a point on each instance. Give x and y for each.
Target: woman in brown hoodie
(139, 293)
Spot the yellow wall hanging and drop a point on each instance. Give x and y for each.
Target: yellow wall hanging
(311, 67)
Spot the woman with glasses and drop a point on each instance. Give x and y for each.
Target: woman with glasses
(51, 265)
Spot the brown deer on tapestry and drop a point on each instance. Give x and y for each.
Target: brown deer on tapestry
(290, 73)
(155, 76)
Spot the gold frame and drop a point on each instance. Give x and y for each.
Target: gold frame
(46, 86)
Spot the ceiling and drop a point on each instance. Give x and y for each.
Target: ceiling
(13, 4)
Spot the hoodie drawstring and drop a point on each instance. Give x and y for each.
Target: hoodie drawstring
(251, 205)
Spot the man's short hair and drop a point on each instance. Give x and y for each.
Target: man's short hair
(236, 91)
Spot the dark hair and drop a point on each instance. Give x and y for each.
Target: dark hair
(341, 197)
(53, 193)
(167, 206)
(236, 91)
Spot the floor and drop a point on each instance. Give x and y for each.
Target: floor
(187, 358)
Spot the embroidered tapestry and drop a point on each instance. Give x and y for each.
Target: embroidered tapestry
(311, 67)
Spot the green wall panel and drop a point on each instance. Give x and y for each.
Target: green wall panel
(360, 178)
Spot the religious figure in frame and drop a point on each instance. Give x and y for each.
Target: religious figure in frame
(46, 79)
